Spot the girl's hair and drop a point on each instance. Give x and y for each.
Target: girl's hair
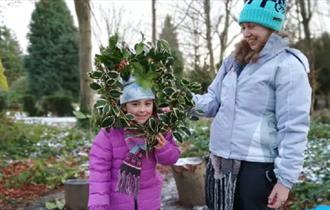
(243, 54)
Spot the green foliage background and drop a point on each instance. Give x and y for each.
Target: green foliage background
(52, 60)
(11, 55)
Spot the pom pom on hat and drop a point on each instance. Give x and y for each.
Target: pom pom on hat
(268, 13)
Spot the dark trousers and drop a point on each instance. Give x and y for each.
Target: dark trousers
(254, 184)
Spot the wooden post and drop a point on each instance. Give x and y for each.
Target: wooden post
(189, 175)
(76, 194)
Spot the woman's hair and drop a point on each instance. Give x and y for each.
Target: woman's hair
(244, 54)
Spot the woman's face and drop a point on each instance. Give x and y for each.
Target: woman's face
(141, 109)
(255, 35)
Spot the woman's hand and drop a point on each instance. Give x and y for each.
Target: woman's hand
(161, 141)
(166, 109)
(278, 196)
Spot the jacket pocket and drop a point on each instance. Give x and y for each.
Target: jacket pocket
(270, 176)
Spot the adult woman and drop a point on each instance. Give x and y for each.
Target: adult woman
(260, 101)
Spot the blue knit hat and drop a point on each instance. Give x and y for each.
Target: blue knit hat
(132, 91)
(268, 13)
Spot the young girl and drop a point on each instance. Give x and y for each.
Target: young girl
(122, 175)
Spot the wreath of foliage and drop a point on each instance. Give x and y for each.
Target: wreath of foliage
(152, 66)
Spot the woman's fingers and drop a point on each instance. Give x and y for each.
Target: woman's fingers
(278, 196)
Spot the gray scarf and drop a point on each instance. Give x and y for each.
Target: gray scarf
(225, 175)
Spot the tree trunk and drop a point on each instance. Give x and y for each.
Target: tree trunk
(224, 34)
(208, 33)
(153, 21)
(189, 178)
(306, 15)
(85, 50)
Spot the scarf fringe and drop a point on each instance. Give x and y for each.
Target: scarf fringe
(128, 183)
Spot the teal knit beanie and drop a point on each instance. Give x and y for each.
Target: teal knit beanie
(268, 13)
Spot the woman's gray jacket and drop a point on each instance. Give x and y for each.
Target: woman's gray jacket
(262, 115)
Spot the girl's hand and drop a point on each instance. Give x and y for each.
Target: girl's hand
(278, 196)
(161, 141)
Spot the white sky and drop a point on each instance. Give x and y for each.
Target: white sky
(17, 15)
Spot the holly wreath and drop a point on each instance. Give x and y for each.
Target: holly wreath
(152, 66)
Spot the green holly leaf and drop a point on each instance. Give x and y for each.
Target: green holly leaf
(116, 111)
(115, 93)
(100, 103)
(96, 74)
(163, 46)
(139, 48)
(152, 124)
(168, 91)
(113, 41)
(106, 109)
(113, 74)
(130, 116)
(80, 115)
(108, 121)
(177, 136)
(184, 130)
(95, 86)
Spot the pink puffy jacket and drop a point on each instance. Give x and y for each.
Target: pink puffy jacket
(106, 156)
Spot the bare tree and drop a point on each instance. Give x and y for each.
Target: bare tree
(223, 33)
(85, 48)
(153, 8)
(208, 33)
(306, 12)
(191, 14)
(114, 20)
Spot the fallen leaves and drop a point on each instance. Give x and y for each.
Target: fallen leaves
(15, 193)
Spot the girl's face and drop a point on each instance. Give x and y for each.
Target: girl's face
(141, 109)
(255, 35)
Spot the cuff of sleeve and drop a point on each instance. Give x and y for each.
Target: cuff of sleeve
(164, 148)
(99, 207)
(285, 182)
